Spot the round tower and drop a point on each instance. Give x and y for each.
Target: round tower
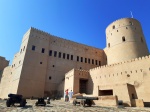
(125, 40)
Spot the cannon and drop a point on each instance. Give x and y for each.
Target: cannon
(15, 98)
(48, 100)
(40, 102)
(83, 100)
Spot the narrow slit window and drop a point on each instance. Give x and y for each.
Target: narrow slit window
(77, 58)
(81, 59)
(96, 62)
(123, 39)
(50, 53)
(64, 55)
(85, 60)
(99, 63)
(71, 57)
(108, 44)
(113, 26)
(59, 54)
(89, 61)
(92, 61)
(67, 56)
(43, 50)
(55, 53)
(33, 48)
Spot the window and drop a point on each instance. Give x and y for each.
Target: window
(99, 63)
(80, 67)
(43, 50)
(64, 55)
(59, 55)
(71, 57)
(113, 26)
(96, 62)
(131, 23)
(117, 30)
(77, 58)
(105, 92)
(33, 48)
(50, 77)
(92, 61)
(50, 53)
(53, 65)
(40, 62)
(55, 53)
(81, 59)
(108, 44)
(123, 39)
(89, 61)
(67, 56)
(85, 60)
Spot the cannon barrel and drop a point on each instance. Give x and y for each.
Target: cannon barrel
(88, 98)
(14, 95)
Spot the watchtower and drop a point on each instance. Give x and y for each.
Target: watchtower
(125, 40)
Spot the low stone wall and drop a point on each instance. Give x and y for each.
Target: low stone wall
(107, 101)
(137, 103)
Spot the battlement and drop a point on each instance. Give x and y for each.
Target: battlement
(123, 62)
(120, 20)
(63, 40)
(80, 70)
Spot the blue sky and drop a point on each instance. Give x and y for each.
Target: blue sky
(82, 21)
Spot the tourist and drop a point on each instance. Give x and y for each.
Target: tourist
(70, 94)
(66, 95)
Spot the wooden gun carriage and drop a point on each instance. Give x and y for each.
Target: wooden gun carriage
(15, 98)
(83, 100)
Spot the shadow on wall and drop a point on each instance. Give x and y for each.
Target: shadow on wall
(1, 72)
(90, 85)
(53, 94)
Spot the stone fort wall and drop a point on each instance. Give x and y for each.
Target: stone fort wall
(135, 72)
(43, 59)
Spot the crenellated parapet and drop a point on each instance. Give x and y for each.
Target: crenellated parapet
(55, 40)
(143, 58)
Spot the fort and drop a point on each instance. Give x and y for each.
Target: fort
(47, 65)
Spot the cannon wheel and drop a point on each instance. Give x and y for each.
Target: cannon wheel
(82, 103)
(74, 102)
(22, 103)
(89, 102)
(44, 103)
(36, 104)
(8, 102)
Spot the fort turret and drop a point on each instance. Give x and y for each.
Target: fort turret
(125, 40)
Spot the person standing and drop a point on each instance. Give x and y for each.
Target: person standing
(66, 96)
(70, 94)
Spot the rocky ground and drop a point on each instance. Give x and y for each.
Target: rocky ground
(61, 106)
